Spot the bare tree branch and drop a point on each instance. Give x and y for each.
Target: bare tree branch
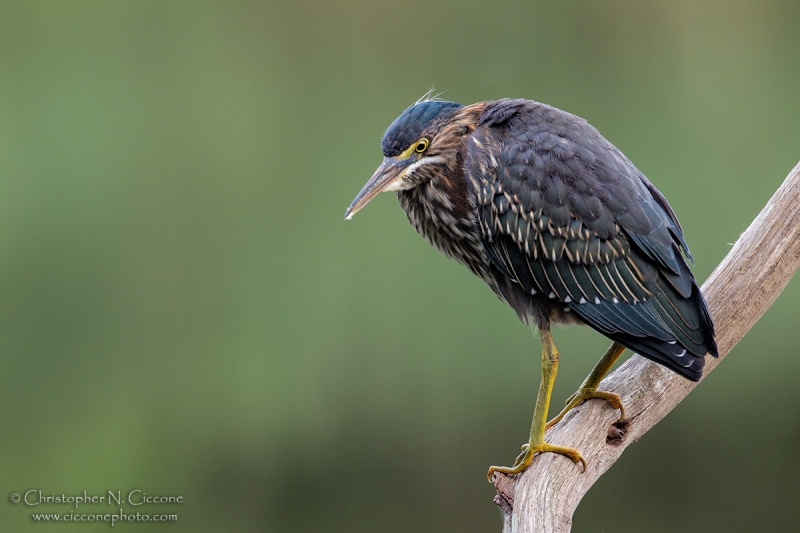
(739, 291)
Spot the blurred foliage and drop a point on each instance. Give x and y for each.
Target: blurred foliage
(182, 309)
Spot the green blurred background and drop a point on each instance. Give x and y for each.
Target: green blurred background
(183, 310)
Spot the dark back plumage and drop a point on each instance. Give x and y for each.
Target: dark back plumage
(564, 228)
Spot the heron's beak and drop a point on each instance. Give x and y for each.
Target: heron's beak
(386, 178)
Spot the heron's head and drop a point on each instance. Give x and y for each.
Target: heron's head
(418, 145)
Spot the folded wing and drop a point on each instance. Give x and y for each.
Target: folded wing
(567, 217)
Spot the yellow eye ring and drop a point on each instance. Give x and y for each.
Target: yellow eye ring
(422, 145)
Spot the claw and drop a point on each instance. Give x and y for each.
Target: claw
(584, 394)
(526, 457)
(521, 457)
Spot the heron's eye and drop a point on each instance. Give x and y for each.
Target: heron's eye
(421, 146)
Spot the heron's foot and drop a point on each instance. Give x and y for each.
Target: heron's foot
(587, 393)
(525, 458)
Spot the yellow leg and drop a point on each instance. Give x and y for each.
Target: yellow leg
(536, 444)
(588, 389)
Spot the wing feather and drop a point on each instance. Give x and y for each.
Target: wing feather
(569, 219)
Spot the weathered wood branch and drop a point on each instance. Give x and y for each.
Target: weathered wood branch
(739, 291)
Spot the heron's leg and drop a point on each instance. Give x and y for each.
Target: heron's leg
(536, 443)
(588, 389)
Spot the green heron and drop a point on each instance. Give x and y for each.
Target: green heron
(560, 225)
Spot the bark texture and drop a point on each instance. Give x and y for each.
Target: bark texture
(739, 291)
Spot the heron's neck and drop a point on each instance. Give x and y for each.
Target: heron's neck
(447, 185)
